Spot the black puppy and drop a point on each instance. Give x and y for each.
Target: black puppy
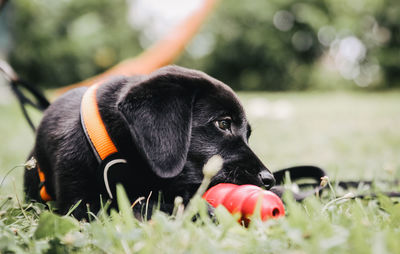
(165, 125)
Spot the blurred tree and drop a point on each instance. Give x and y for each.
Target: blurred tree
(253, 45)
(292, 44)
(56, 43)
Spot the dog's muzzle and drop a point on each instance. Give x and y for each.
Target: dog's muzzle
(267, 179)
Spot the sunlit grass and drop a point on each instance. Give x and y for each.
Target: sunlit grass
(351, 135)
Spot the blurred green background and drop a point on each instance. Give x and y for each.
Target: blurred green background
(251, 45)
(344, 54)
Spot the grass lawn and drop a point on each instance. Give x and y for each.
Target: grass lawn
(351, 135)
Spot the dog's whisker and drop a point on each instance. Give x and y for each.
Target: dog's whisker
(139, 200)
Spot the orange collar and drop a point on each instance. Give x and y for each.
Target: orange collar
(97, 135)
(44, 195)
(98, 138)
(94, 127)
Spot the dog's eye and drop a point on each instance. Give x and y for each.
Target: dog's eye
(224, 124)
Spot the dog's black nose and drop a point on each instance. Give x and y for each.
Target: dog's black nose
(267, 178)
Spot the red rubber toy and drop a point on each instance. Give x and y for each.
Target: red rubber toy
(243, 199)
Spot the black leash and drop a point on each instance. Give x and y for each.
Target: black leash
(299, 173)
(26, 93)
(316, 175)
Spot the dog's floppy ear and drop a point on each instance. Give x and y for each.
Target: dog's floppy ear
(159, 115)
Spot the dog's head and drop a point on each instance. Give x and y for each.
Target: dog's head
(180, 118)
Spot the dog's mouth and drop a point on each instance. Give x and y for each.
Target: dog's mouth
(244, 177)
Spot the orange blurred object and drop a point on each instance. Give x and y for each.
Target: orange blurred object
(162, 53)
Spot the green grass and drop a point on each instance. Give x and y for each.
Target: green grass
(351, 135)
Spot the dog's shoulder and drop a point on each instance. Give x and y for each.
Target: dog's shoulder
(62, 113)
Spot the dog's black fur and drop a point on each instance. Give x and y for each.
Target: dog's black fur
(166, 125)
